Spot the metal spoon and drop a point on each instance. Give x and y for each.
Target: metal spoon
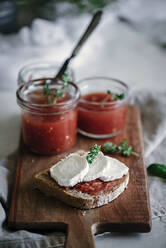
(94, 22)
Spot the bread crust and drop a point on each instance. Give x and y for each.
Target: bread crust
(76, 198)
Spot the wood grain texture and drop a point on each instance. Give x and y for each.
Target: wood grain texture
(130, 212)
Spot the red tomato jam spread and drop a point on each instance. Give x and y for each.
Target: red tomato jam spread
(99, 114)
(97, 186)
(54, 134)
(49, 128)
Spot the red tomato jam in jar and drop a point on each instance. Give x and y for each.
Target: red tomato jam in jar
(102, 107)
(49, 115)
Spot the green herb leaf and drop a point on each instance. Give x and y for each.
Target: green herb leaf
(93, 153)
(50, 102)
(65, 79)
(124, 149)
(58, 93)
(116, 96)
(65, 85)
(46, 90)
(157, 170)
(109, 147)
(121, 96)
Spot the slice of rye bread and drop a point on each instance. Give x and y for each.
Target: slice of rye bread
(76, 198)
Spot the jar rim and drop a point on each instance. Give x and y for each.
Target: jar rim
(115, 103)
(37, 107)
(38, 63)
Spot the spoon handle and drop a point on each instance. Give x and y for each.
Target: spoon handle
(94, 22)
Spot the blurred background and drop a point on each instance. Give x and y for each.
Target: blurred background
(129, 43)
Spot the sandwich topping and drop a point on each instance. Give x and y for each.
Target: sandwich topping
(75, 169)
(70, 170)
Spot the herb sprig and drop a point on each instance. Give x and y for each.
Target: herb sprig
(116, 96)
(47, 92)
(46, 89)
(92, 154)
(65, 79)
(123, 149)
(52, 97)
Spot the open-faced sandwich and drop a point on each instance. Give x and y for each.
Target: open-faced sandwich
(85, 179)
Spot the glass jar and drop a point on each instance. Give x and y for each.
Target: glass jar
(48, 128)
(41, 69)
(99, 116)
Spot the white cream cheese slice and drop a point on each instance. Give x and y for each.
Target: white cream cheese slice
(114, 170)
(75, 168)
(70, 170)
(97, 168)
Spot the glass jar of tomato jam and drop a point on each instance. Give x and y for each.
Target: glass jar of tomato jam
(49, 123)
(102, 107)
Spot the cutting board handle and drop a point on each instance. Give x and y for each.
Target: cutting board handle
(79, 235)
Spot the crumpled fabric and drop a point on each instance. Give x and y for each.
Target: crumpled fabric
(152, 105)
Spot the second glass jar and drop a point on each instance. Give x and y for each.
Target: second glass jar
(99, 115)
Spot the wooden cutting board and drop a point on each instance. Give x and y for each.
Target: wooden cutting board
(30, 209)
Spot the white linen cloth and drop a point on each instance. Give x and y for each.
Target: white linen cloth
(153, 112)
